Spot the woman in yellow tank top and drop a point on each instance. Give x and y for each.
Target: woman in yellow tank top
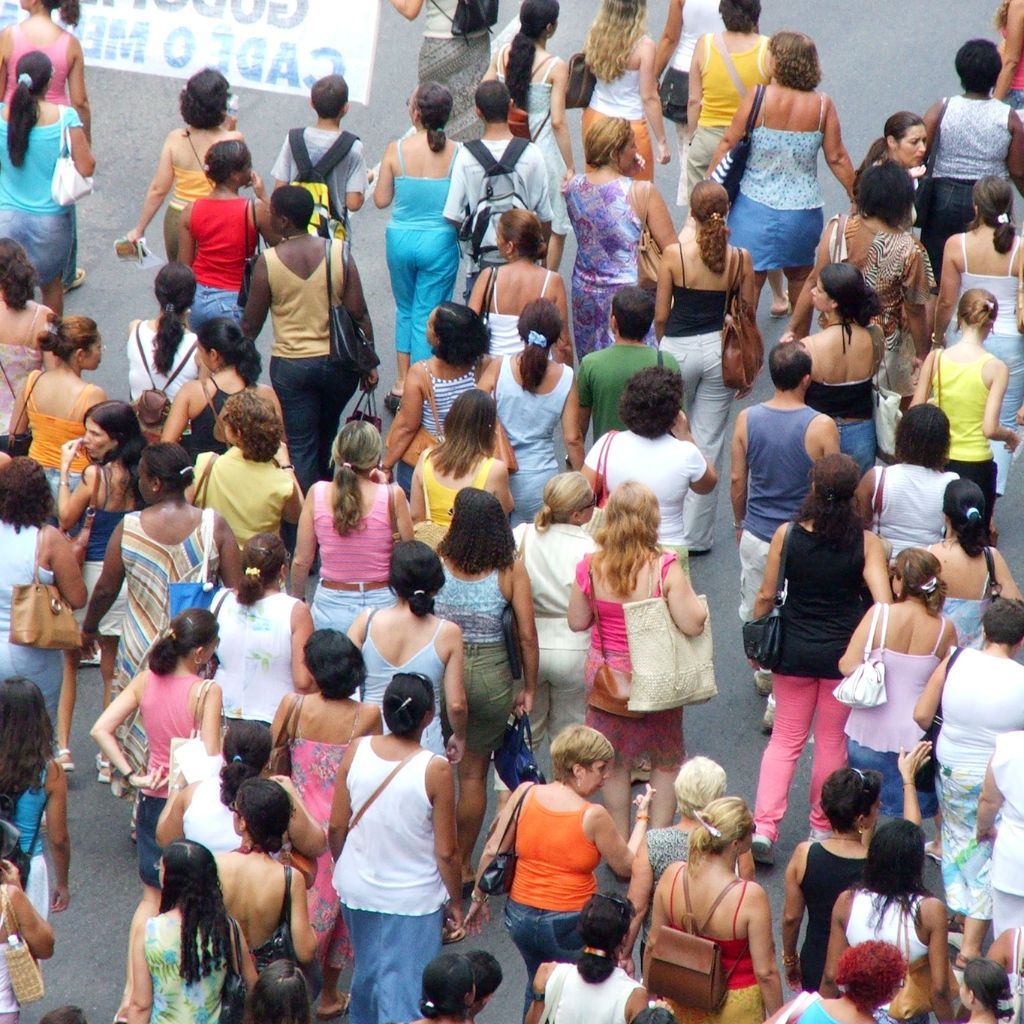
(968, 385)
(204, 109)
(463, 459)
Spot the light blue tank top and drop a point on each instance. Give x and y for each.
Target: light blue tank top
(379, 671)
(782, 170)
(419, 202)
(530, 419)
(28, 815)
(474, 605)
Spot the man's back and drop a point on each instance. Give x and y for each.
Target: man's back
(348, 175)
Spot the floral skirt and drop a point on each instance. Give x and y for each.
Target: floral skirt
(966, 863)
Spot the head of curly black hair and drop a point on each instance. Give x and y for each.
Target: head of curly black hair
(651, 401)
(25, 496)
(479, 538)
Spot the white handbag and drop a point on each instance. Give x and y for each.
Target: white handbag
(864, 687)
(67, 186)
(886, 412)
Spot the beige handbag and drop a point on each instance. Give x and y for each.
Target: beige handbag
(39, 615)
(184, 749)
(429, 532)
(670, 669)
(22, 969)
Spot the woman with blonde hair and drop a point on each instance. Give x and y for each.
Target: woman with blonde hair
(550, 548)
(736, 914)
(465, 458)
(969, 383)
(353, 521)
(699, 781)
(621, 56)
(910, 638)
(696, 273)
(630, 565)
(608, 210)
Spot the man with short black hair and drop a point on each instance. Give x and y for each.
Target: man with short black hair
(490, 175)
(774, 445)
(487, 977)
(603, 374)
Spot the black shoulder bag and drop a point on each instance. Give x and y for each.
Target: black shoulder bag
(762, 638)
(350, 348)
(498, 875)
(924, 777)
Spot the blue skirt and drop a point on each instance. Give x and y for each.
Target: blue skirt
(777, 239)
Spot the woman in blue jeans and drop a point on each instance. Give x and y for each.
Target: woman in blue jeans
(844, 358)
(560, 839)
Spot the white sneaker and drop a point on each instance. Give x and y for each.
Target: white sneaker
(762, 849)
(763, 682)
(768, 721)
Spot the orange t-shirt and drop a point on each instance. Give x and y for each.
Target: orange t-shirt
(555, 859)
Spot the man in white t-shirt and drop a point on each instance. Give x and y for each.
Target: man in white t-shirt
(518, 179)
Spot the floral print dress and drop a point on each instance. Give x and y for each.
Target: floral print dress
(174, 1001)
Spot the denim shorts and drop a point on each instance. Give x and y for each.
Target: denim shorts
(46, 237)
(150, 852)
(338, 609)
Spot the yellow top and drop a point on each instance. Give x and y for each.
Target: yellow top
(298, 306)
(249, 495)
(190, 184)
(721, 99)
(441, 499)
(961, 394)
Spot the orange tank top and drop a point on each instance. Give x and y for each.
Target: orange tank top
(50, 432)
(556, 860)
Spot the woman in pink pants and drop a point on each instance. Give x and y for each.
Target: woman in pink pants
(830, 556)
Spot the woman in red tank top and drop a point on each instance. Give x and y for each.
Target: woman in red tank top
(219, 233)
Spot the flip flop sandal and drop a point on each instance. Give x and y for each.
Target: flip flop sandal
(451, 935)
(336, 1014)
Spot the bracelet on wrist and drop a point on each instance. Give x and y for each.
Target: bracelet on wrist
(478, 897)
(643, 817)
(790, 959)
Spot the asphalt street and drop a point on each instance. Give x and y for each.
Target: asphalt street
(878, 57)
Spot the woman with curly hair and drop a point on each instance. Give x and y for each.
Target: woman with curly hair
(35, 784)
(892, 906)
(620, 55)
(609, 210)
(656, 449)
(107, 490)
(245, 484)
(181, 168)
(777, 214)
(695, 274)
(465, 458)
(181, 957)
(27, 547)
(829, 557)
(482, 577)
(23, 326)
(459, 342)
(354, 523)
(263, 632)
(630, 565)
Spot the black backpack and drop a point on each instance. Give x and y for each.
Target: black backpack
(17, 856)
(471, 16)
(498, 196)
(327, 221)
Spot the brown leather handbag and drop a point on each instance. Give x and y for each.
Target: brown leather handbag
(648, 253)
(423, 438)
(742, 344)
(683, 965)
(611, 688)
(580, 87)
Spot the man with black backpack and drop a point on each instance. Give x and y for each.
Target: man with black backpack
(491, 175)
(326, 161)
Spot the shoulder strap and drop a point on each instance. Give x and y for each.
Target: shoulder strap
(483, 156)
(204, 692)
(729, 66)
(992, 585)
(204, 481)
(145, 361)
(957, 651)
(338, 150)
(781, 586)
(879, 495)
(392, 513)
(543, 64)
(433, 406)
(936, 136)
(513, 151)
(195, 152)
(289, 727)
(380, 789)
(875, 612)
(759, 94)
(209, 401)
(286, 903)
(718, 899)
(181, 366)
(300, 152)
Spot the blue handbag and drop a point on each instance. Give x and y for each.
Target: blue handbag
(202, 592)
(729, 171)
(514, 761)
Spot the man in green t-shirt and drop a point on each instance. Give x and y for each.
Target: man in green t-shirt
(603, 374)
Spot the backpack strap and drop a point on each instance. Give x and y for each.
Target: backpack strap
(483, 156)
(300, 153)
(339, 149)
(145, 361)
(513, 152)
(181, 366)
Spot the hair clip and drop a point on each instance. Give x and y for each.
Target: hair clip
(594, 951)
(252, 571)
(971, 513)
(25, 79)
(707, 824)
(536, 338)
(169, 308)
(347, 465)
(929, 585)
(184, 470)
(171, 635)
(1003, 219)
(236, 759)
(427, 1006)
(419, 593)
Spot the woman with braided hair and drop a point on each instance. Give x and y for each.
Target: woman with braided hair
(182, 955)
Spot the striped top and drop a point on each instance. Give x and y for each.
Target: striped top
(149, 567)
(445, 393)
(364, 554)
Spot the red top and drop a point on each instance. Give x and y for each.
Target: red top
(221, 229)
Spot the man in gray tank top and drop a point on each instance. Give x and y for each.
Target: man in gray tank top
(774, 445)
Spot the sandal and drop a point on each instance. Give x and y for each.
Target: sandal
(77, 281)
(778, 314)
(64, 759)
(452, 933)
(392, 401)
(340, 1012)
(934, 851)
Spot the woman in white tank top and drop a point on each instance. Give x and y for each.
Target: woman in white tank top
(988, 255)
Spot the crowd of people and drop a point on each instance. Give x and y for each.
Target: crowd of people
(319, 639)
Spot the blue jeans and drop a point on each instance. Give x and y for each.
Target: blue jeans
(885, 761)
(540, 936)
(338, 609)
(403, 476)
(213, 302)
(313, 393)
(391, 951)
(951, 212)
(1015, 98)
(72, 265)
(858, 441)
(1009, 348)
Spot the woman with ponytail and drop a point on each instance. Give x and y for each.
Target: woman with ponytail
(411, 637)
(689, 314)
(594, 990)
(422, 247)
(844, 357)
(353, 522)
(28, 213)
(162, 351)
(262, 635)
(449, 990)
(985, 992)
(988, 255)
(534, 394)
(904, 141)
(536, 81)
(181, 957)
(740, 920)
(969, 384)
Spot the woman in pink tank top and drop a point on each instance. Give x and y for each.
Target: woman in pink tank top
(355, 521)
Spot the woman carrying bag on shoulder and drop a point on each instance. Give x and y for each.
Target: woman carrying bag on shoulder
(18, 918)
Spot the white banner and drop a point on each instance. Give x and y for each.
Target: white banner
(280, 46)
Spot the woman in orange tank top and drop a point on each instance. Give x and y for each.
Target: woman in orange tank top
(559, 837)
